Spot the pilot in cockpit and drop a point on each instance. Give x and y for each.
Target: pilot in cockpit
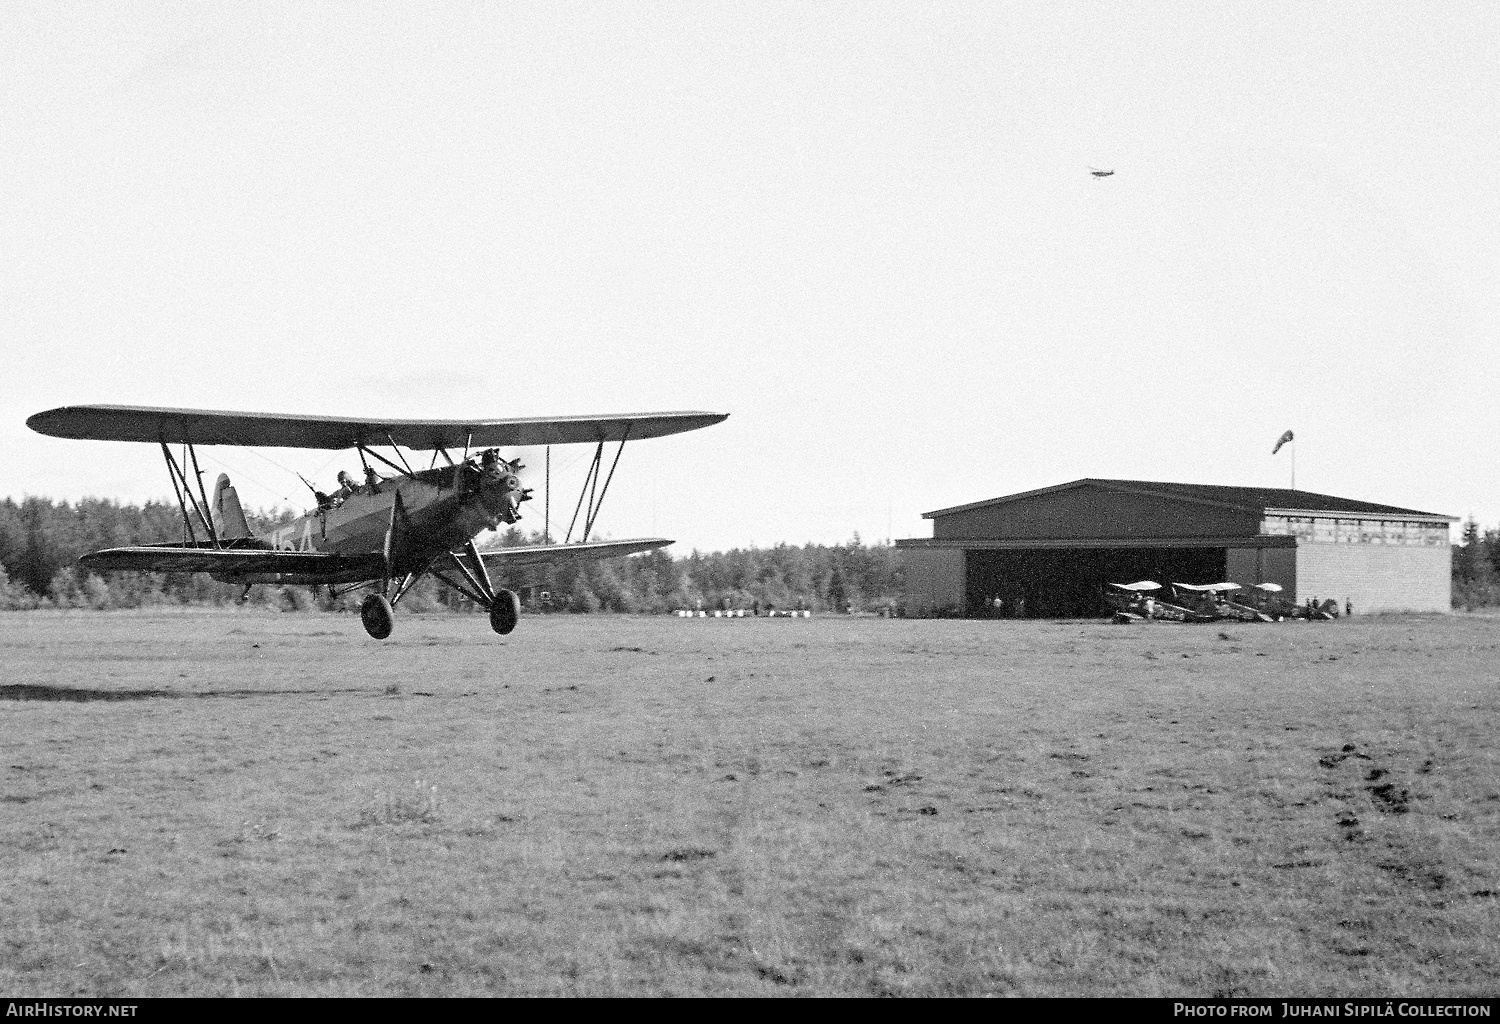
(347, 486)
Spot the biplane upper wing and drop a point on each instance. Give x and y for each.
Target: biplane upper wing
(541, 554)
(231, 562)
(277, 430)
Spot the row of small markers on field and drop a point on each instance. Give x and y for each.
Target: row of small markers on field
(737, 613)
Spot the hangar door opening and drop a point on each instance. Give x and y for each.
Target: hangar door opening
(1048, 583)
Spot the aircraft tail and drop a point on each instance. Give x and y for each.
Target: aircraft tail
(228, 516)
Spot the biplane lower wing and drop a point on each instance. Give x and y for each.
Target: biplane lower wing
(224, 563)
(542, 554)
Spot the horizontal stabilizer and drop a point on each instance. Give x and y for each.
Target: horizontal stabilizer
(230, 563)
(542, 554)
(277, 430)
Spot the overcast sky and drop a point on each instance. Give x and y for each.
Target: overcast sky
(867, 231)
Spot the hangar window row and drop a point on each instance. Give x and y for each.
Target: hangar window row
(1328, 530)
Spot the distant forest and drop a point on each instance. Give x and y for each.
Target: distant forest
(1476, 568)
(41, 540)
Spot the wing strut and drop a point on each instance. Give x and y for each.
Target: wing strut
(374, 454)
(583, 492)
(590, 483)
(184, 491)
(594, 515)
(399, 455)
(208, 512)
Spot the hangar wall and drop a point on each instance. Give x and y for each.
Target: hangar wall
(1247, 566)
(934, 581)
(1376, 577)
(1082, 513)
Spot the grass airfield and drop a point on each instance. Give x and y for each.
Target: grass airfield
(239, 802)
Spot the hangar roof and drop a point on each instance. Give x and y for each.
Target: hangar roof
(1263, 500)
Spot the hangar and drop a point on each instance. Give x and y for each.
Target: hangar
(1047, 553)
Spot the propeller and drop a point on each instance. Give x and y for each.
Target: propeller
(525, 464)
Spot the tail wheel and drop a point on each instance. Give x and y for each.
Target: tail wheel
(505, 612)
(376, 615)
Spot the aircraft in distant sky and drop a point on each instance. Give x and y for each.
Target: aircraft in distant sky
(1096, 172)
(386, 532)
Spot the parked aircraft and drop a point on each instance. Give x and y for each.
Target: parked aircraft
(1268, 599)
(385, 532)
(1134, 601)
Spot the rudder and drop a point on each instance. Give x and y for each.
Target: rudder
(228, 516)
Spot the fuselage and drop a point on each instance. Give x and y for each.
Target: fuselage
(441, 509)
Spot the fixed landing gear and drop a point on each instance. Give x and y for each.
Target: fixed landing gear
(376, 615)
(505, 611)
(473, 582)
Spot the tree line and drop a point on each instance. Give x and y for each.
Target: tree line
(41, 540)
(1476, 567)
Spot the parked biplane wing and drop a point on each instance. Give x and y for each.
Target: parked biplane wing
(280, 430)
(1208, 588)
(542, 554)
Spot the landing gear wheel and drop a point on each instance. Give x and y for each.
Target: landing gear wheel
(505, 612)
(375, 613)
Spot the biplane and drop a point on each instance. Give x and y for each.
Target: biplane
(1235, 604)
(1269, 600)
(384, 532)
(1204, 600)
(1132, 602)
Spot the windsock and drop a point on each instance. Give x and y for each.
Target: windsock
(1283, 439)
